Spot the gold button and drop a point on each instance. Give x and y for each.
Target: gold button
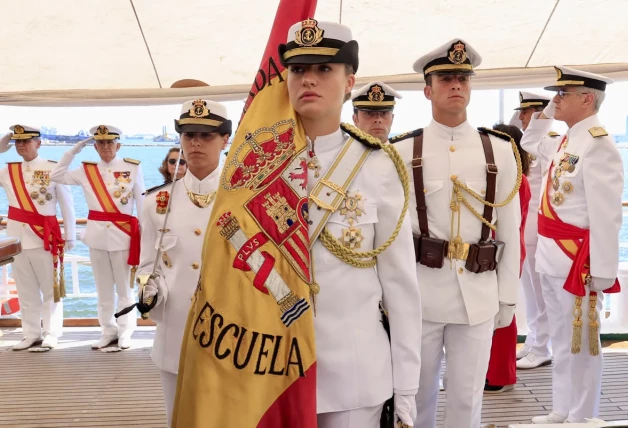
(460, 270)
(197, 232)
(484, 192)
(452, 148)
(454, 177)
(424, 190)
(108, 225)
(194, 265)
(23, 225)
(108, 170)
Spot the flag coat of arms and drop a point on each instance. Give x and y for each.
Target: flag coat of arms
(248, 355)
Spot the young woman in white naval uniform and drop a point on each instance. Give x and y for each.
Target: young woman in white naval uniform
(178, 269)
(358, 367)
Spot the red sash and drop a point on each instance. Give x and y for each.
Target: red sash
(133, 231)
(126, 223)
(46, 227)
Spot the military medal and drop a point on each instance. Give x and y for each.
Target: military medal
(124, 200)
(162, 202)
(313, 162)
(117, 194)
(34, 195)
(353, 206)
(352, 237)
(555, 183)
(48, 197)
(558, 198)
(567, 187)
(41, 201)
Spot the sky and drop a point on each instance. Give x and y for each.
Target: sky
(412, 112)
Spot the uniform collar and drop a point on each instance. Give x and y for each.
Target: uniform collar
(584, 125)
(326, 143)
(113, 162)
(206, 185)
(35, 161)
(450, 134)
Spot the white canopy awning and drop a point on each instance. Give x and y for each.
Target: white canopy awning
(123, 52)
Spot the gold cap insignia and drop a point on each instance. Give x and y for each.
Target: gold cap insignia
(102, 130)
(559, 73)
(376, 93)
(18, 129)
(458, 53)
(309, 34)
(199, 109)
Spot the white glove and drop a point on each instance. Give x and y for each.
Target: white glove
(601, 284)
(4, 142)
(154, 286)
(79, 146)
(69, 245)
(515, 121)
(504, 316)
(550, 110)
(405, 409)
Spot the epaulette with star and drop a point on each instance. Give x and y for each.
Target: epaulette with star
(495, 133)
(152, 189)
(361, 136)
(598, 131)
(133, 161)
(405, 136)
(90, 162)
(553, 134)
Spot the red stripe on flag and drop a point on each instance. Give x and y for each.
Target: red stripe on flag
(289, 12)
(295, 255)
(295, 403)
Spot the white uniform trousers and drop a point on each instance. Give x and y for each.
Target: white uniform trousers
(364, 417)
(538, 338)
(576, 378)
(169, 385)
(33, 274)
(110, 268)
(468, 350)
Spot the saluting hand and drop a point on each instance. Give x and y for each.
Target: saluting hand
(4, 142)
(549, 111)
(79, 146)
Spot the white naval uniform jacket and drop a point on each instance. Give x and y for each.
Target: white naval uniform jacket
(453, 294)
(60, 194)
(182, 244)
(357, 366)
(595, 201)
(103, 235)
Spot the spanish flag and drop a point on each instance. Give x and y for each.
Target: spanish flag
(248, 355)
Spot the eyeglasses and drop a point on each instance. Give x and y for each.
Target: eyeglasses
(173, 161)
(562, 93)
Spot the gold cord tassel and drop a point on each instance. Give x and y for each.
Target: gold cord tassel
(133, 271)
(594, 326)
(576, 337)
(62, 290)
(55, 280)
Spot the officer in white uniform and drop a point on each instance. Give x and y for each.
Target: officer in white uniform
(358, 367)
(373, 106)
(178, 270)
(581, 204)
(460, 308)
(111, 187)
(33, 268)
(536, 350)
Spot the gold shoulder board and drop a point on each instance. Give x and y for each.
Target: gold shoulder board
(133, 161)
(598, 131)
(553, 134)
